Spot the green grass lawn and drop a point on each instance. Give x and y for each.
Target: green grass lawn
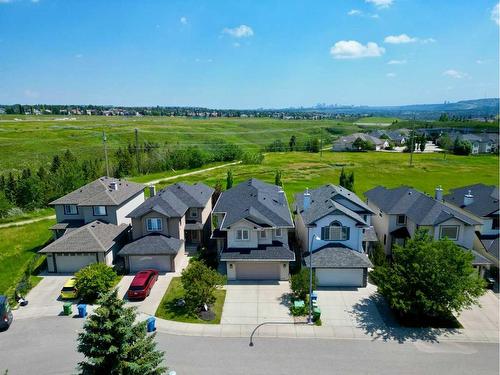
(168, 310)
(301, 170)
(17, 247)
(42, 212)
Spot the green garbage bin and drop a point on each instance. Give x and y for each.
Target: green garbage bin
(67, 308)
(316, 313)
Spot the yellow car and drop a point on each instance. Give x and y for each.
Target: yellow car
(69, 291)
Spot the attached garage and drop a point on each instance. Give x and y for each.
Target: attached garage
(72, 262)
(162, 263)
(339, 277)
(257, 270)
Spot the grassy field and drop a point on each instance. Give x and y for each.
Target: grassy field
(301, 170)
(17, 247)
(168, 310)
(31, 140)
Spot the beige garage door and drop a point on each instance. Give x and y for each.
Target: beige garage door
(73, 262)
(258, 271)
(160, 263)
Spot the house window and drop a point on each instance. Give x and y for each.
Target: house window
(401, 219)
(242, 234)
(335, 232)
(262, 234)
(153, 224)
(277, 232)
(99, 210)
(70, 209)
(449, 231)
(193, 213)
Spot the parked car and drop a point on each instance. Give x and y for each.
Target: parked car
(69, 290)
(5, 313)
(141, 284)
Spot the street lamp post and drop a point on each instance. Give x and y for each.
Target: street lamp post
(309, 319)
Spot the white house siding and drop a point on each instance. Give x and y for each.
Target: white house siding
(252, 242)
(127, 208)
(269, 237)
(179, 259)
(487, 227)
(380, 222)
(465, 233)
(205, 213)
(355, 238)
(301, 232)
(284, 236)
(60, 216)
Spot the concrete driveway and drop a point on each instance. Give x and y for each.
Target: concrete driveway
(254, 302)
(151, 303)
(484, 317)
(43, 300)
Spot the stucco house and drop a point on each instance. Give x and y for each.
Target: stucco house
(346, 143)
(251, 223)
(165, 224)
(399, 212)
(482, 201)
(92, 223)
(333, 225)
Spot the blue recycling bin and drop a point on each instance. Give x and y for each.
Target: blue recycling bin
(314, 295)
(150, 323)
(82, 310)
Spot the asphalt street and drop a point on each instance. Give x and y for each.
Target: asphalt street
(47, 346)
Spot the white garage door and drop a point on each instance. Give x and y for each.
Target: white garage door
(74, 262)
(157, 262)
(339, 276)
(258, 271)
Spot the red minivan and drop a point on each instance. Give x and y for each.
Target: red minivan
(142, 284)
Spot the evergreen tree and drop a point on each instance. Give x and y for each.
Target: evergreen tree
(56, 164)
(277, 178)
(217, 191)
(114, 344)
(11, 188)
(293, 143)
(229, 179)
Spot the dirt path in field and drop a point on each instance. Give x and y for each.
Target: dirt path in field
(34, 220)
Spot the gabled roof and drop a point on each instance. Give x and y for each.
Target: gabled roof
(101, 193)
(276, 251)
(94, 237)
(337, 256)
(419, 207)
(175, 200)
(256, 201)
(153, 244)
(347, 139)
(485, 199)
(327, 200)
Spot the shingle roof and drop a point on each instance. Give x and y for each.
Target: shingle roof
(276, 251)
(153, 244)
(94, 237)
(100, 192)
(347, 139)
(492, 245)
(256, 201)
(174, 200)
(337, 256)
(326, 200)
(419, 207)
(479, 260)
(486, 199)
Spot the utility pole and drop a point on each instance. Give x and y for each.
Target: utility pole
(321, 146)
(104, 140)
(412, 136)
(137, 158)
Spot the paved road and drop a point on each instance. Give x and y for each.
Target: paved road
(47, 346)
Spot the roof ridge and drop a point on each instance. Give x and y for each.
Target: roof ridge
(93, 234)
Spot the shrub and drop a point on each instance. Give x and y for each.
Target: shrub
(299, 311)
(94, 280)
(299, 283)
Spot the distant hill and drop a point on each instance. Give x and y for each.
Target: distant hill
(475, 108)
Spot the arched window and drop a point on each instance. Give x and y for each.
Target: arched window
(335, 232)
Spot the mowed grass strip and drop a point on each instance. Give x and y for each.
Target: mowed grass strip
(169, 311)
(18, 245)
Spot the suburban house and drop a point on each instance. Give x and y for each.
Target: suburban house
(251, 223)
(92, 223)
(397, 136)
(165, 224)
(399, 212)
(483, 143)
(334, 224)
(483, 202)
(346, 143)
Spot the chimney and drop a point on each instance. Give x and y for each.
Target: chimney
(152, 190)
(281, 196)
(307, 199)
(438, 193)
(114, 185)
(468, 198)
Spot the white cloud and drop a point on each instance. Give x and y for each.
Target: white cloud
(352, 49)
(354, 12)
(455, 74)
(375, 16)
(391, 75)
(427, 40)
(183, 20)
(495, 14)
(399, 39)
(380, 3)
(242, 31)
(396, 62)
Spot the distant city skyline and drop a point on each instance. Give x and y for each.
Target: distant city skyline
(248, 54)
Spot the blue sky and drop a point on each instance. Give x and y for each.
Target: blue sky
(248, 53)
